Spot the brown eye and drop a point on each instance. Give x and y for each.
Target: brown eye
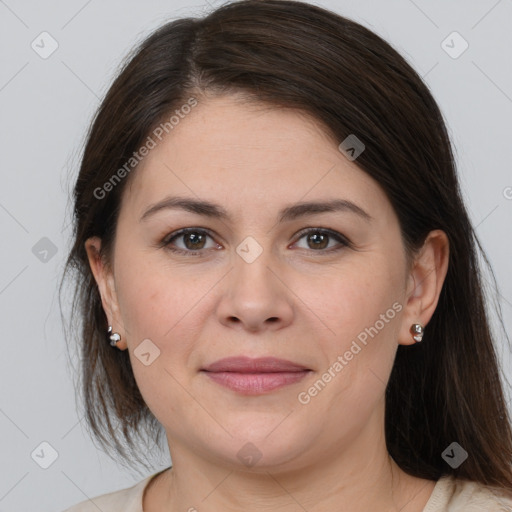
(320, 240)
(193, 241)
(317, 240)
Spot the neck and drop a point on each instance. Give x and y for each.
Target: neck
(359, 478)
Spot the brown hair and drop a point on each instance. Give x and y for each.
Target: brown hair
(291, 54)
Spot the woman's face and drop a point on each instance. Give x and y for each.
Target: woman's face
(325, 290)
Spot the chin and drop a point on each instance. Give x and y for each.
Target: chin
(259, 447)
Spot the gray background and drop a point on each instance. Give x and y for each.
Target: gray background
(46, 105)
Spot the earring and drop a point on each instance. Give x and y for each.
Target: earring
(114, 336)
(417, 332)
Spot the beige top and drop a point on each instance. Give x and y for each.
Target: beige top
(449, 495)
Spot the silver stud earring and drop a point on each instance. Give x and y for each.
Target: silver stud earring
(417, 332)
(114, 336)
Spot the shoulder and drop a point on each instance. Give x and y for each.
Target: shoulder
(456, 495)
(125, 500)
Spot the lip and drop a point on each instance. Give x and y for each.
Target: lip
(250, 376)
(243, 364)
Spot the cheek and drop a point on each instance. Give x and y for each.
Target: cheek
(154, 307)
(151, 298)
(361, 296)
(362, 308)
(163, 305)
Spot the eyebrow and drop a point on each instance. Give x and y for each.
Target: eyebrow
(216, 211)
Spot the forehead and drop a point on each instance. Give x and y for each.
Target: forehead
(237, 153)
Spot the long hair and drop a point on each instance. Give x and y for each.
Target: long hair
(291, 54)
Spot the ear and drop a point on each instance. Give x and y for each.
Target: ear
(425, 281)
(104, 278)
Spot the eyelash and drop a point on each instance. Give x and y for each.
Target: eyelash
(343, 241)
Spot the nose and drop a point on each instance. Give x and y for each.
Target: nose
(255, 296)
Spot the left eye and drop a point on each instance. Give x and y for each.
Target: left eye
(318, 239)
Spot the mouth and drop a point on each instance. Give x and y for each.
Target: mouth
(249, 376)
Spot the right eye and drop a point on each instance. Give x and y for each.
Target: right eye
(193, 241)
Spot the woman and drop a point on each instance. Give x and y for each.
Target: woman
(275, 265)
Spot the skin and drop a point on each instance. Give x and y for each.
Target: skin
(294, 301)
